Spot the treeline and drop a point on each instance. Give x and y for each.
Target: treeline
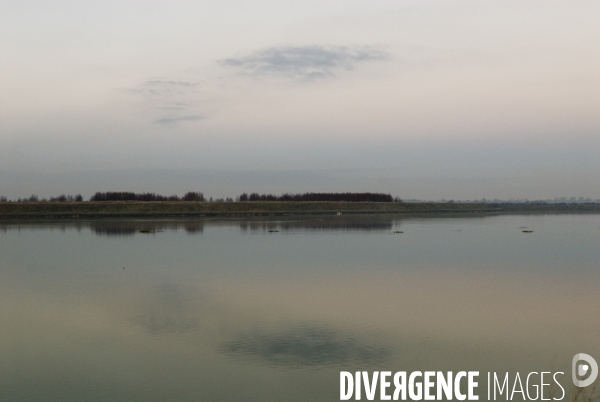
(35, 198)
(199, 197)
(129, 196)
(345, 197)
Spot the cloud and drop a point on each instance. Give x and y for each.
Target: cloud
(305, 62)
(172, 120)
(175, 106)
(170, 83)
(162, 88)
(167, 101)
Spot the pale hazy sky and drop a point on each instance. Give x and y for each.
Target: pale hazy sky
(422, 99)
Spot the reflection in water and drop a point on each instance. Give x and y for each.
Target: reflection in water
(241, 314)
(129, 228)
(309, 223)
(62, 225)
(116, 228)
(193, 227)
(306, 346)
(168, 311)
(107, 230)
(111, 228)
(337, 223)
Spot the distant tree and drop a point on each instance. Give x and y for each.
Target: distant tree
(33, 198)
(344, 197)
(146, 197)
(78, 198)
(193, 196)
(3, 199)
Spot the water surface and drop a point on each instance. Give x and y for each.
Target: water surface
(273, 310)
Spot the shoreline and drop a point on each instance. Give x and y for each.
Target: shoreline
(178, 209)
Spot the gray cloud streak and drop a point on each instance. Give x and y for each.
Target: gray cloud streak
(171, 83)
(176, 98)
(175, 120)
(155, 88)
(305, 62)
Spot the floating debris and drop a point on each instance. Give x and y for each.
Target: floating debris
(273, 231)
(398, 231)
(527, 231)
(147, 231)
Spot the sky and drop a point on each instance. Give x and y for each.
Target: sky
(421, 99)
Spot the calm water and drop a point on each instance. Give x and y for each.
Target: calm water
(273, 310)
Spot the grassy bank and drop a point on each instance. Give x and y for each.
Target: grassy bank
(12, 210)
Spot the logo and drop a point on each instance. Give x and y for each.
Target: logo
(462, 385)
(580, 369)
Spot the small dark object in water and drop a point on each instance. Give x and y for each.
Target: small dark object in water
(273, 231)
(522, 227)
(146, 231)
(527, 231)
(398, 231)
(123, 267)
